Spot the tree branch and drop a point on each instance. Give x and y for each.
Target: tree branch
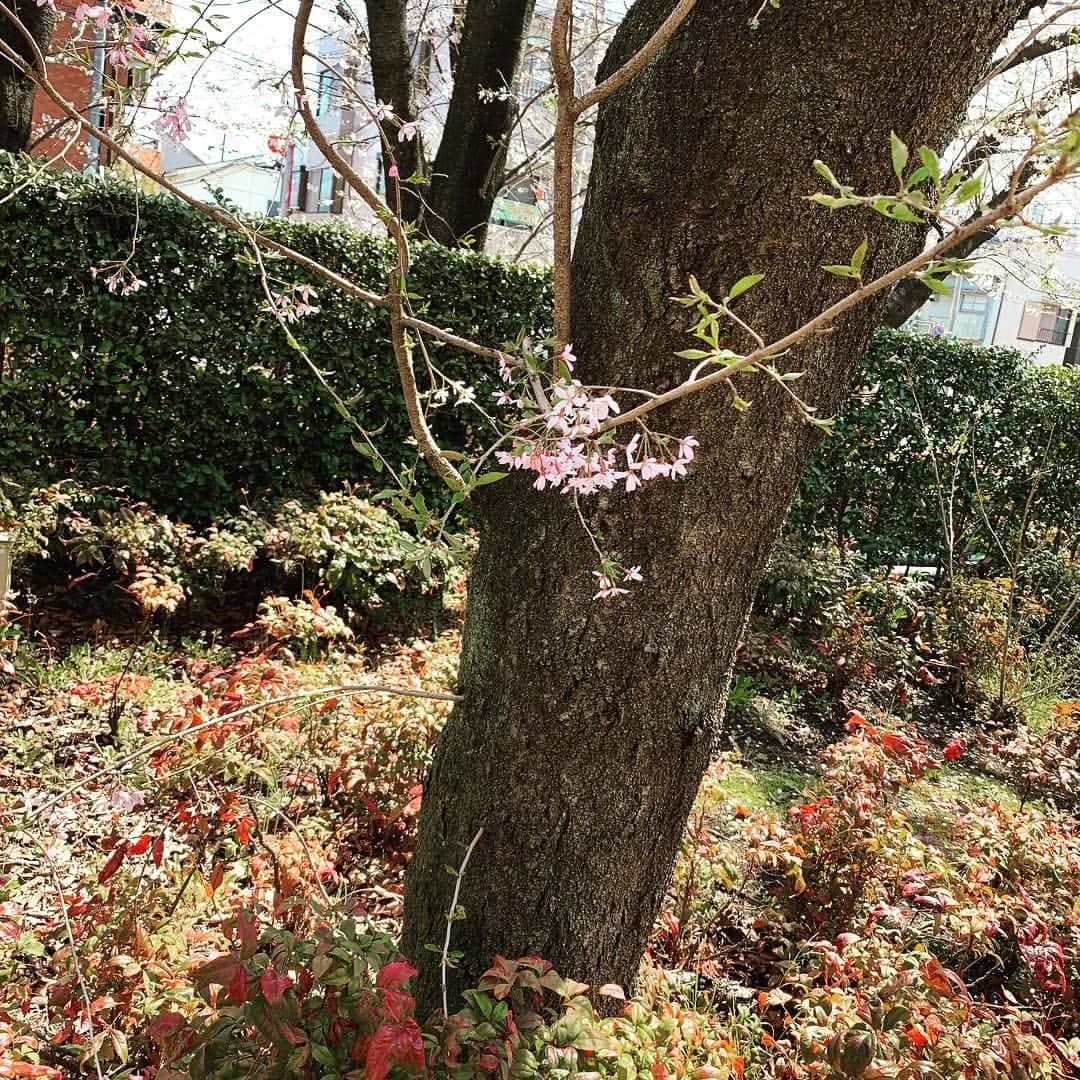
(636, 62)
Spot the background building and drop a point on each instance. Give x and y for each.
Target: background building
(1023, 295)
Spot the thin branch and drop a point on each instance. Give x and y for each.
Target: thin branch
(1031, 49)
(444, 959)
(1016, 200)
(37, 72)
(636, 62)
(562, 188)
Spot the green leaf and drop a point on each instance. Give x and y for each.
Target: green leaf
(489, 478)
(968, 190)
(858, 257)
(823, 170)
(935, 284)
(899, 155)
(841, 270)
(931, 163)
(744, 284)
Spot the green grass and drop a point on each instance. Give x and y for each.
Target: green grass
(762, 788)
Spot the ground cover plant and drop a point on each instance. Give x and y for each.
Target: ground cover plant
(205, 839)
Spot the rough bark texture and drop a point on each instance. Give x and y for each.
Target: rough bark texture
(587, 725)
(17, 91)
(468, 168)
(392, 81)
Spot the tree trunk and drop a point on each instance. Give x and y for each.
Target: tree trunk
(468, 168)
(392, 81)
(587, 725)
(16, 90)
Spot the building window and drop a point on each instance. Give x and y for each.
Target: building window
(970, 322)
(1045, 322)
(328, 90)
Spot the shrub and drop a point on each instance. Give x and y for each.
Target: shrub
(186, 392)
(986, 417)
(356, 549)
(303, 626)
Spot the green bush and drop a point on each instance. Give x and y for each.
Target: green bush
(359, 551)
(187, 394)
(986, 418)
(186, 391)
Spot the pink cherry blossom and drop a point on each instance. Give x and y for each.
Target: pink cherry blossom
(174, 122)
(393, 173)
(606, 588)
(97, 14)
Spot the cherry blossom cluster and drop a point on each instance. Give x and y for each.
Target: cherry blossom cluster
(173, 121)
(559, 437)
(119, 279)
(296, 302)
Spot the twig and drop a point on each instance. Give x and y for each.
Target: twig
(624, 74)
(444, 959)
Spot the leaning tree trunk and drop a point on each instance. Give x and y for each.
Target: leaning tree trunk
(587, 726)
(469, 166)
(16, 90)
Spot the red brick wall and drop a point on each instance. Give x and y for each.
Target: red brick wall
(74, 83)
(73, 80)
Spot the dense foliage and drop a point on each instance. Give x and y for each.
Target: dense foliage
(185, 390)
(941, 447)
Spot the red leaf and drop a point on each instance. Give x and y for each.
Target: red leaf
(397, 1006)
(159, 850)
(220, 971)
(248, 933)
(141, 846)
(392, 976)
(238, 987)
(166, 1024)
(394, 1044)
(955, 748)
(274, 984)
(25, 1068)
(115, 859)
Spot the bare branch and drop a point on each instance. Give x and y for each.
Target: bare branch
(636, 62)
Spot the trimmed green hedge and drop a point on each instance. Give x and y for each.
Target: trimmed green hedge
(187, 394)
(994, 422)
(186, 391)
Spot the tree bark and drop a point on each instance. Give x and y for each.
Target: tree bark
(468, 168)
(392, 81)
(587, 725)
(16, 90)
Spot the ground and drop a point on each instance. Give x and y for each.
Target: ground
(176, 787)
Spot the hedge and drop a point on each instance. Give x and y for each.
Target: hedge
(186, 391)
(994, 423)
